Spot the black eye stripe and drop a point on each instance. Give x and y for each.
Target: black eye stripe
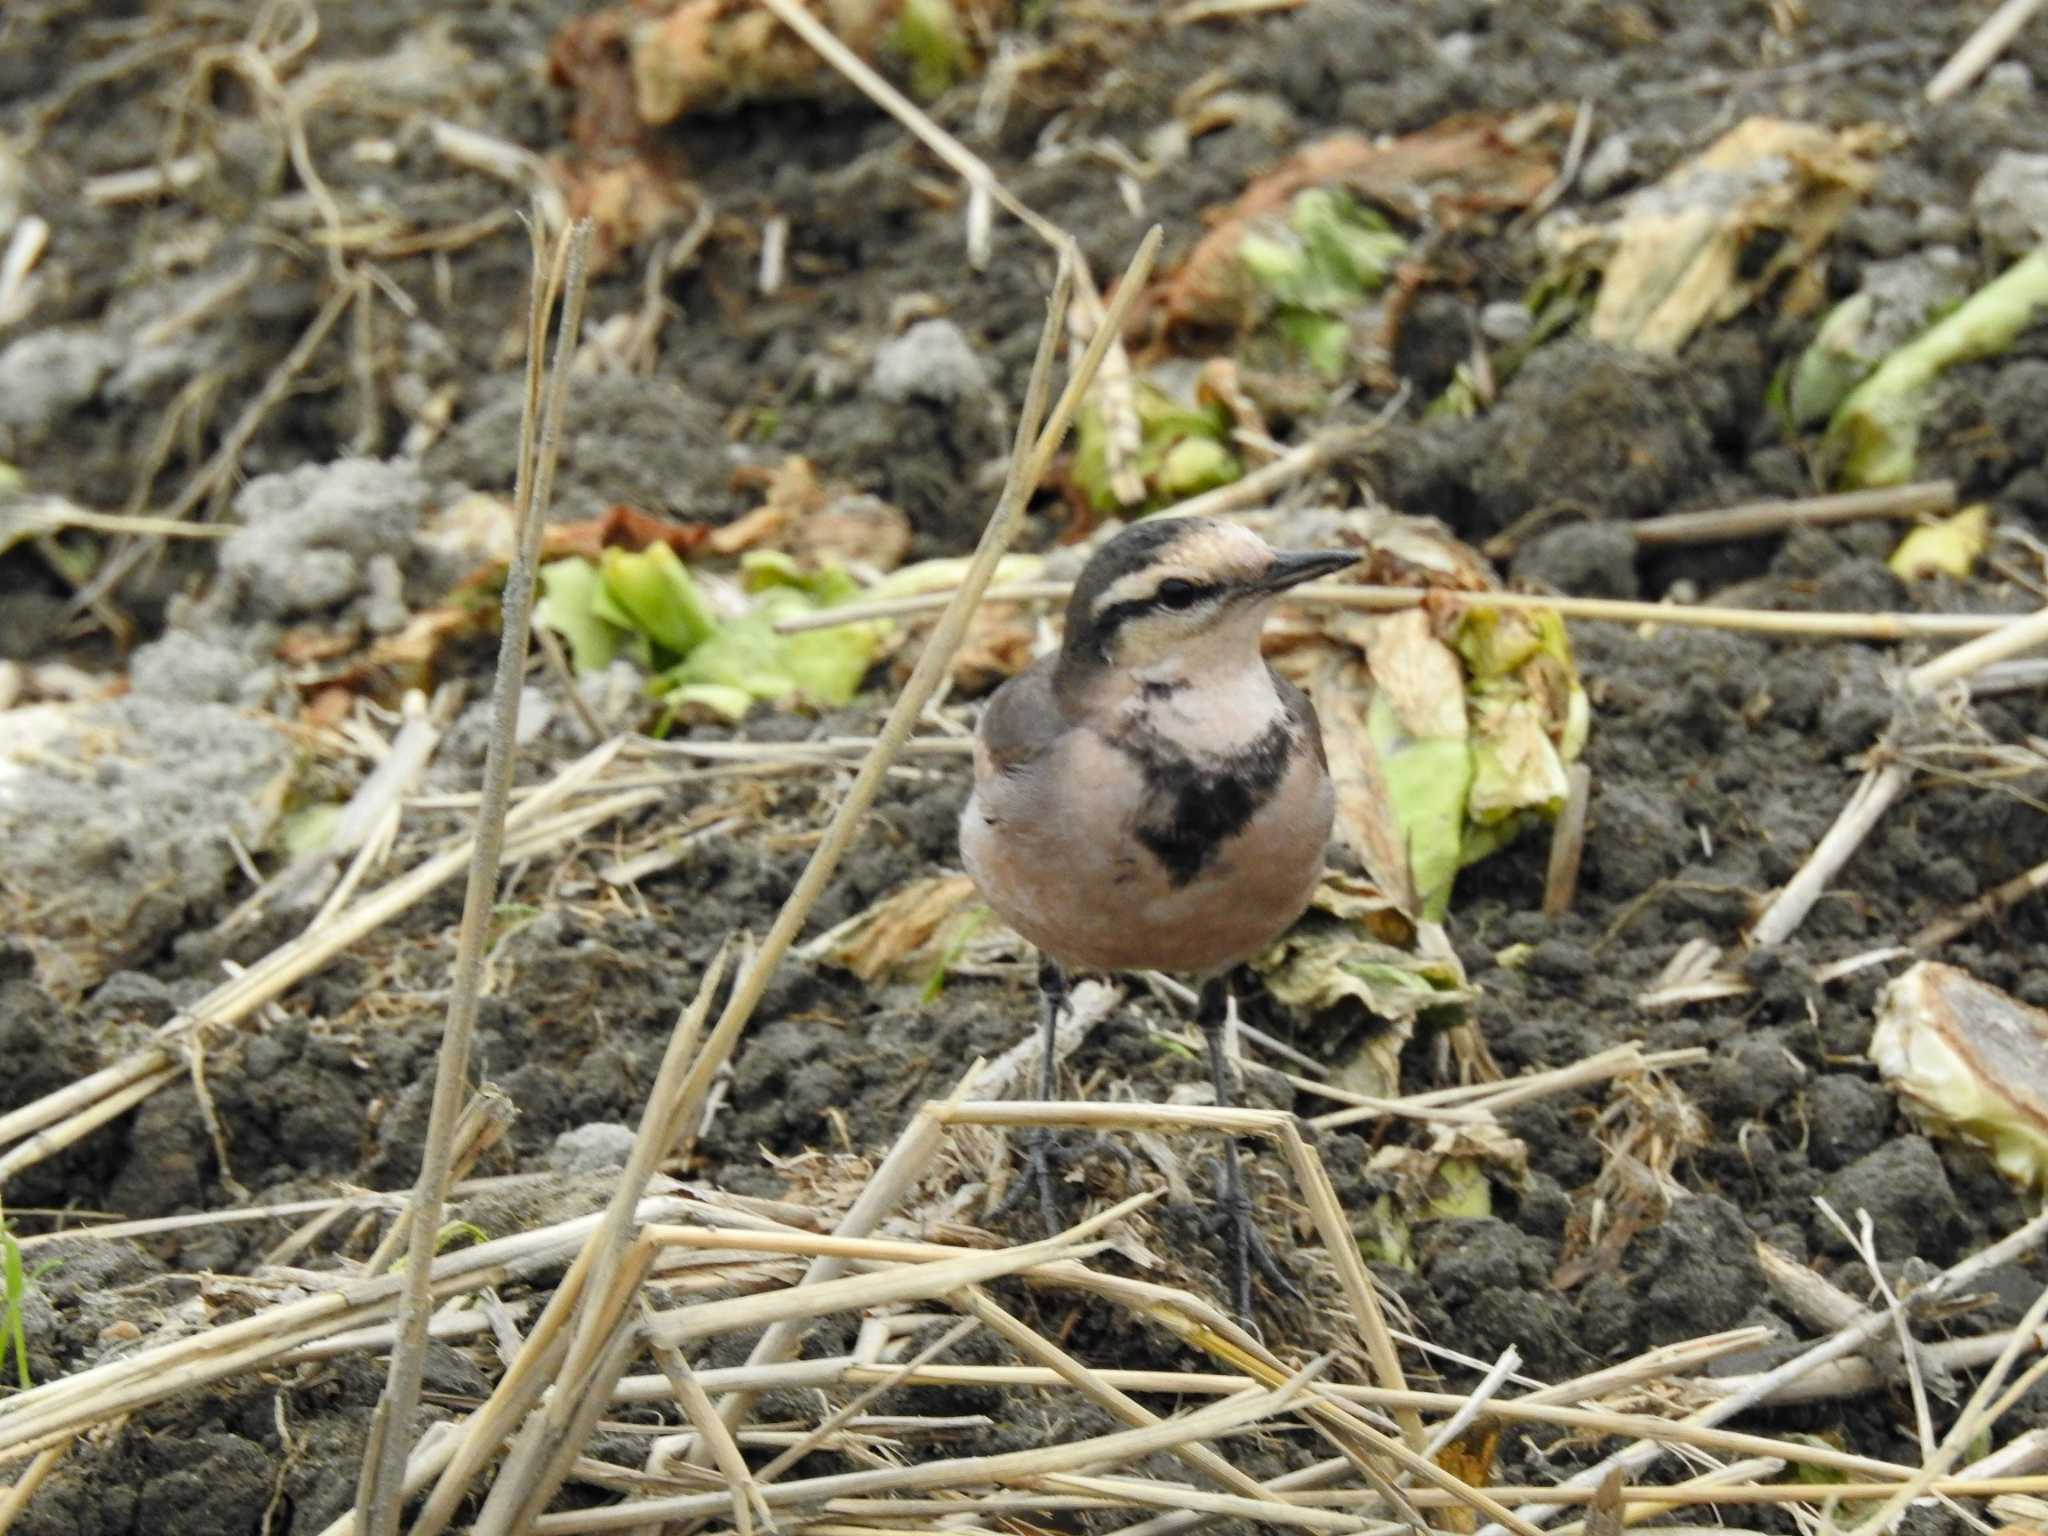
(1116, 615)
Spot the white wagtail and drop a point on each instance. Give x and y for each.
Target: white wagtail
(1153, 796)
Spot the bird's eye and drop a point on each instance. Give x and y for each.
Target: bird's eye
(1175, 593)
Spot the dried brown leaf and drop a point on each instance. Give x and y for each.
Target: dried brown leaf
(910, 924)
(1677, 256)
(1444, 176)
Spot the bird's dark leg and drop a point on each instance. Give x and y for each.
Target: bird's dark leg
(1052, 1002)
(1038, 1156)
(1247, 1246)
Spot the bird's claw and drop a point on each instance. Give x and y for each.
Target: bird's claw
(1245, 1246)
(1047, 1154)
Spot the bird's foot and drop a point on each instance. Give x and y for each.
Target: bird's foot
(1245, 1248)
(1049, 1156)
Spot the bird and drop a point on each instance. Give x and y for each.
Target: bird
(1152, 795)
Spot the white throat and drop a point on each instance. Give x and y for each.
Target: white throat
(1209, 709)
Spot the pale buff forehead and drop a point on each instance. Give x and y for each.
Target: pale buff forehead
(1206, 551)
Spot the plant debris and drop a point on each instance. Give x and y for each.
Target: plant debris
(1950, 546)
(1184, 448)
(1324, 251)
(1969, 1061)
(725, 657)
(1874, 437)
(1449, 729)
(663, 60)
(910, 934)
(1449, 1178)
(1751, 211)
(1352, 954)
(1896, 302)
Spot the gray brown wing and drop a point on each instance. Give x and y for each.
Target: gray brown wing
(1024, 720)
(1304, 714)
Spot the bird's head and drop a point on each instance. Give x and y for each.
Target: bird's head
(1182, 596)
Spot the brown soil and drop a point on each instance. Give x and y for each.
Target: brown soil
(1717, 759)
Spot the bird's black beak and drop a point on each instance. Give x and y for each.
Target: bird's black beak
(1291, 568)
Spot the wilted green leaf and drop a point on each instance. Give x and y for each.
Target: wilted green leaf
(745, 654)
(1317, 270)
(570, 590)
(654, 590)
(1515, 765)
(928, 35)
(1832, 364)
(1874, 437)
(1194, 465)
(1324, 340)
(1971, 1062)
(1183, 449)
(309, 829)
(734, 704)
(1347, 241)
(1428, 780)
(1384, 1235)
(1950, 547)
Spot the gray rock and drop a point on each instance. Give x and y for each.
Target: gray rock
(1505, 320)
(469, 739)
(591, 1148)
(186, 666)
(126, 809)
(308, 535)
(2010, 204)
(1612, 162)
(1939, 224)
(48, 374)
(933, 361)
(384, 609)
(1458, 49)
(2007, 84)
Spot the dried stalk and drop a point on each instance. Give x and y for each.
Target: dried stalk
(384, 1457)
(1122, 1446)
(1759, 621)
(1758, 519)
(24, 1487)
(603, 1260)
(2006, 894)
(1567, 844)
(831, 1423)
(1848, 1341)
(606, 1253)
(1980, 48)
(1033, 1345)
(1026, 470)
(1881, 787)
(258, 1342)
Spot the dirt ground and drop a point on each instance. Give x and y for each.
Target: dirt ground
(1717, 759)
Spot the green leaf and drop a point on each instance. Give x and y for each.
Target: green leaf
(1428, 781)
(928, 35)
(1324, 340)
(1832, 364)
(1875, 434)
(745, 657)
(1194, 465)
(308, 829)
(735, 704)
(655, 592)
(570, 592)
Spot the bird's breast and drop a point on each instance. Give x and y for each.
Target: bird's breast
(1115, 853)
